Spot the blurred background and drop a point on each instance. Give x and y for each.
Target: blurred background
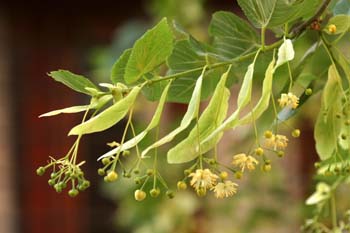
(86, 38)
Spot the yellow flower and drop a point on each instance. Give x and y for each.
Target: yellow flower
(225, 189)
(289, 100)
(203, 180)
(276, 142)
(243, 161)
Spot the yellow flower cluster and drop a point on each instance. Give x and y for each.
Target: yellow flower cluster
(203, 180)
(243, 161)
(289, 100)
(276, 142)
(225, 189)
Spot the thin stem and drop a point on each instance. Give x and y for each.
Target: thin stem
(215, 65)
(290, 77)
(333, 211)
(263, 32)
(298, 30)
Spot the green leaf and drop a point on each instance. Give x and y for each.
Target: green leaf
(343, 62)
(232, 121)
(187, 56)
(285, 52)
(76, 82)
(286, 12)
(108, 117)
(342, 23)
(258, 12)
(342, 7)
(327, 126)
(264, 100)
(150, 51)
(190, 114)
(75, 109)
(154, 123)
(232, 35)
(212, 116)
(118, 69)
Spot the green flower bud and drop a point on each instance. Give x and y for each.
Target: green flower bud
(266, 167)
(150, 172)
(126, 153)
(73, 192)
(238, 175)
(101, 172)
(280, 153)
(308, 91)
(296, 133)
(154, 192)
(181, 185)
(106, 161)
(170, 194)
(259, 151)
(51, 182)
(40, 171)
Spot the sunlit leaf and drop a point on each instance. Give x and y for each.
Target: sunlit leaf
(76, 82)
(212, 116)
(138, 138)
(151, 50)
(108, 117)
(190, 114)
(75, 109)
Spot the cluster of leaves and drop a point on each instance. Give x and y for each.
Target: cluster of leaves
(168, 65)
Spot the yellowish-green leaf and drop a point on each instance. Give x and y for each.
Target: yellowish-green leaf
(264, 100)
(190, 114)
(212, 116)
(76, 82)
(150, 51)
(138, 138)
(108, 117)
(75, 109)
(327, 127)
(342, 23)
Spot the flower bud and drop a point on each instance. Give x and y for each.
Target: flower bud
(40, 171)
(106, 161)
(296, 133)
(259, 151)
(267, 134)
(139, 195)
(266, 167)
(112, 176)
(73, 192)
(154, 192)
(223, 175)
(308, 91)
(170, 194)
(181, 185)
(332, 28)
